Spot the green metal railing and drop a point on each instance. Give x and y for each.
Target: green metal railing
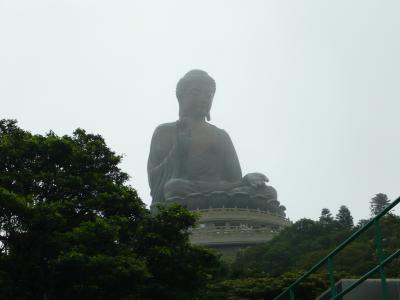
(328, 261)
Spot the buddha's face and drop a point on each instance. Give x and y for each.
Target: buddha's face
(197, 99)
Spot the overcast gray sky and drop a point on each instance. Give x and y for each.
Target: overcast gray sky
(309, 91)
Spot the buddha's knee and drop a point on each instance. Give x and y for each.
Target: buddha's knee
(176, 187)
(271, 192)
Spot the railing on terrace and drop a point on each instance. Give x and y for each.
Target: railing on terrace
(237, 209)
(328, 261)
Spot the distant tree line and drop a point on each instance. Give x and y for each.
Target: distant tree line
(261, 272)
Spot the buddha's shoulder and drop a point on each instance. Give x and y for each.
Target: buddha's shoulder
(166, 128)
(171, 127)
(212, 126)
(217, 129)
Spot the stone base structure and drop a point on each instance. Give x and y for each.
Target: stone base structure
(233, 221)
(231, 229)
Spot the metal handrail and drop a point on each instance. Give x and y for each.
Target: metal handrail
(368, 274)
(328, 260)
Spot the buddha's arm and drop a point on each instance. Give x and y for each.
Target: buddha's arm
(162, 163)
(232, 170)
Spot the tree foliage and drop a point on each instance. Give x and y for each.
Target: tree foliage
(306, 242)
(344, 217)
(326, 217)
(378, 203)
(71, 228)
(266, 287)
(297, 247)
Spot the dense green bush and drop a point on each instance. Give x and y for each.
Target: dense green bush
(70, 227)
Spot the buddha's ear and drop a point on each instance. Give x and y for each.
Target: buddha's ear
(208, 116)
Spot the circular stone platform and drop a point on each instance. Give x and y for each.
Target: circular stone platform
(231, 229)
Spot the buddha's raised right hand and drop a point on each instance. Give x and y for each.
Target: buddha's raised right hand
(184, 137)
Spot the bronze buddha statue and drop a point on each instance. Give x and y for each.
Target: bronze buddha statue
(195, 163)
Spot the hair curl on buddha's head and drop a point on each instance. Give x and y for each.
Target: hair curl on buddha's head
(191, 76)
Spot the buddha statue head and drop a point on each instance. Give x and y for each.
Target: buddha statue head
(195, 92)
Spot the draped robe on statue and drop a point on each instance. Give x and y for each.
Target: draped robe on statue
(208, 167)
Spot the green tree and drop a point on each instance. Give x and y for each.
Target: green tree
(259, 272)
(297, 247)
(71, 228)
(378, 203)
(266, 287)
(344, 218)
(326, 217)
(362, 222)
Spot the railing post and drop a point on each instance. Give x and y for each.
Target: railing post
(291, 292)
(331, 277)
(381, 258)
